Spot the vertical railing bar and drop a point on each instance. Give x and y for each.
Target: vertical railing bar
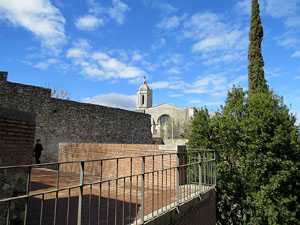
(136, 198)
(143, 190)
(166, 187)
(123, 212)
(8, 213)
(90, 203)
(130, 190)
(170, 180)
(42, 209)
(68, 207)
(27, 192)
(157, 187)
(190, 178)
(152, 185)
(100, 191)
(56, 195)
(200, 172)
(195, 172)
(116, 200)
(177, 178)
(204, 159)
(80, 197)
(107, 204)
(162, 183)
(215, 169)
(147, 200)
(185, 180)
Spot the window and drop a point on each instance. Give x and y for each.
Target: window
(164, 119)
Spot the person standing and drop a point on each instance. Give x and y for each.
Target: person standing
(38, 151)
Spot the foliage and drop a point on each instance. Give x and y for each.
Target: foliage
(256, 79)
(258, 158)
(60, 94)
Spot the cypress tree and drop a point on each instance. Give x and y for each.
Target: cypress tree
(256, 78)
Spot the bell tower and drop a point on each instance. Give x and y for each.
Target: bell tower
(144, 97)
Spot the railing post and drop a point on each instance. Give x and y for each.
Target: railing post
(80, 197)
(27, 193)
(215, 169)
(143, 190)
(177, 177)
(200, 171)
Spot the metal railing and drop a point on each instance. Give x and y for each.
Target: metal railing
(123, 190)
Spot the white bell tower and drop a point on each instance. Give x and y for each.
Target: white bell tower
(144, 97)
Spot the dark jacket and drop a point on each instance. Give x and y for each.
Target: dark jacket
(38, 149)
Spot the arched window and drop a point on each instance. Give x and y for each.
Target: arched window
(164, 119)
(143, 99)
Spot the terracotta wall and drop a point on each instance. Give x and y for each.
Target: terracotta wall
(128, 160)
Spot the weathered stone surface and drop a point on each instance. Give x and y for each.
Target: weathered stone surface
(69, 121)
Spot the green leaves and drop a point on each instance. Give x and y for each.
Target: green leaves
(256, 75)
(258, 152)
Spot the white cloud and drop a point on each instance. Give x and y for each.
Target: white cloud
(289, 39)
(222, 42)
(165, 8)
(297, 78)
(214, 84)
(239, 81)
(174, 70)
(243, 7)
(39, 17)
(214, 39)
(170, 23)
(88, 22)
(296, 54)
(281, 8)
(137, 57)
(45, 64)
(113, 100)
(212, 103)
(174, 58)
(159, 84)
(171, 84)
(100, 65)
(292, 22)
(175, 95)
(117, 12)
(195, 101)
(159, 44)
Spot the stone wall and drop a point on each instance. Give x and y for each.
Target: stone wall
(69, 121)
(17, 130)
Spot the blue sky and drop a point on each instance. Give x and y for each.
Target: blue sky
(191, 52)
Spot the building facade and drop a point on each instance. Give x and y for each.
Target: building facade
(167, 121)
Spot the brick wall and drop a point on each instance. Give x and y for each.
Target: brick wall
(17, 130)
(16, 137)
(91, 151)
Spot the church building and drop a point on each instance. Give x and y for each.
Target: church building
(168, 121)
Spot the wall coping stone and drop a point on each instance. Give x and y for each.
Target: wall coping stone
(15, 114)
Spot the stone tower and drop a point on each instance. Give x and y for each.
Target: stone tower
(144, 97)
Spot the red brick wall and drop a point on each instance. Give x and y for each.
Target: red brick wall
(203, 213)
(17, 130)
(16, 138)
(90, 151)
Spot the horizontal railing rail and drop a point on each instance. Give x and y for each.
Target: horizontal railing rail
(119, 190)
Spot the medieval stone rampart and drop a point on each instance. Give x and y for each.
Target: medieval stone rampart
(69, 121)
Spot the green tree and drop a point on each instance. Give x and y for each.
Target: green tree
(256, 78)
(257, 145)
